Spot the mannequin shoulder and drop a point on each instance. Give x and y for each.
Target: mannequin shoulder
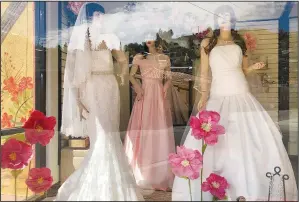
(138, 56)
(164, 57)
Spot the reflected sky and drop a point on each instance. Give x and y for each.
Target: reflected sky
(133, 21)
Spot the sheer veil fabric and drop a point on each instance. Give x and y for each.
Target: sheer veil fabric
(104, 174)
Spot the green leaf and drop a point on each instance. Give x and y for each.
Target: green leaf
(204, 148)
(11, 110)
(15, 105)
(22, 112)
(215, 198)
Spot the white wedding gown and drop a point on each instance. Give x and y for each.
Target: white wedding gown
(252, 145)
(104, 174)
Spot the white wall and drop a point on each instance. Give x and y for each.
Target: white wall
(52, 89)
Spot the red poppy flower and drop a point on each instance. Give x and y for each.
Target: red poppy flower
(39, 180)
(39, 128)
(15, 154)
(216, 185)
(6, 121)
(26, 82)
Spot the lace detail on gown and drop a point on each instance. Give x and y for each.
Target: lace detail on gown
(104, 174)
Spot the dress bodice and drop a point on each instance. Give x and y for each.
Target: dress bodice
(102, 60)
(227, 74)
(152, 68)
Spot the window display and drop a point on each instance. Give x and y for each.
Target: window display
(154, 101)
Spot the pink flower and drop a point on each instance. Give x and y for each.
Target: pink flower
(186, 163)
(250, 41)
(39, 128)
(216, 185)
(206, 127)
(75, 6)
(40, 180)
(15, 154)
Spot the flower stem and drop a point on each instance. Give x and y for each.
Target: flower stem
(27, 178)
(201, 173)
(15, 187)
(204, 146)
(189, 183)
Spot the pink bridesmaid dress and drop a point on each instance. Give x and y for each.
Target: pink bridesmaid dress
(150, 139)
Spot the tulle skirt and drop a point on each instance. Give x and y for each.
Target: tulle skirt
(150, 138)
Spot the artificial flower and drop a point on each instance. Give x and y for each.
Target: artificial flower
(186, 163)
(39, 128)
(15, 154)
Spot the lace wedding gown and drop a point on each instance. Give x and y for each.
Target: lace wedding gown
(104, 174)
(252, 145)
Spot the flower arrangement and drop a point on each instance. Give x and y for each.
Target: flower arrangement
(75, 6)
(16, 154)
(250, 41)
(188, 163)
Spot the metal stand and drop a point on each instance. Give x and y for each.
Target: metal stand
(284, 177)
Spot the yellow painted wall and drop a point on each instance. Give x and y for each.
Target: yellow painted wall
(17, 89)
(17, 69)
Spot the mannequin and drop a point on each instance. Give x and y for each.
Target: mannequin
(149, 139)
(252, 144)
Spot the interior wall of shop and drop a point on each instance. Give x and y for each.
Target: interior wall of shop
(293, 62)
(266, 46)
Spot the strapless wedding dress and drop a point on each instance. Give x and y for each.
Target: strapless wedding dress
(252, 145)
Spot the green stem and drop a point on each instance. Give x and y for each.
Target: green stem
(204, 146)
(189, 183)
(15, 187)
(21, 107)
(27, 178)
(201, 173)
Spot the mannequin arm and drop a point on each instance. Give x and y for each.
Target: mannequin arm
(204, 79)
(121, 59)
(136, 85)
